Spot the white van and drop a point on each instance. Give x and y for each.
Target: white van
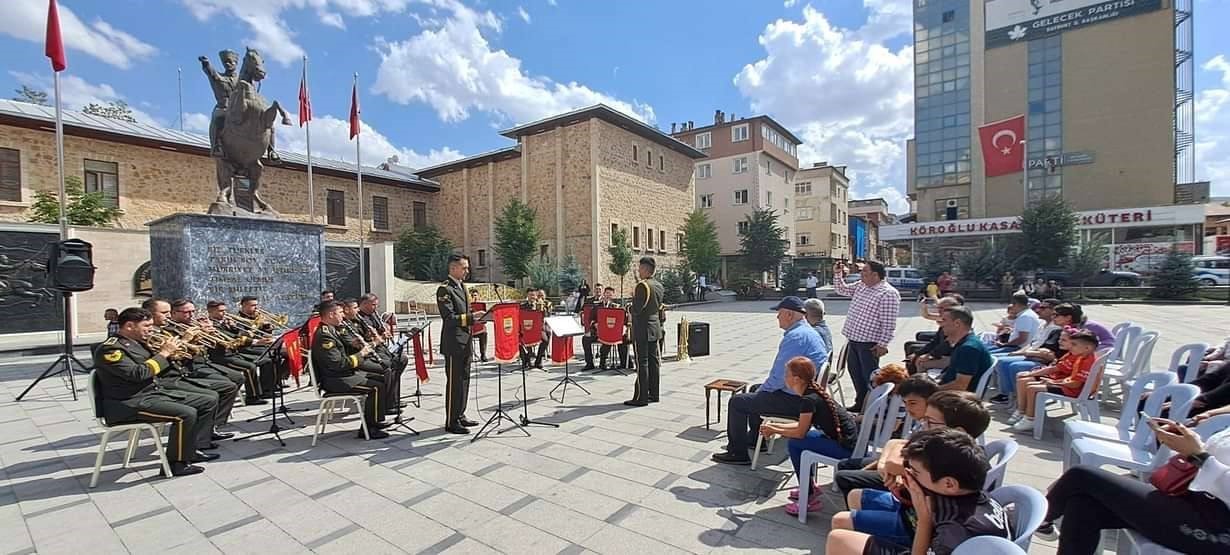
(1211, 270)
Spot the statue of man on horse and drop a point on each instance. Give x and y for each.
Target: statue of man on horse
(241, 128)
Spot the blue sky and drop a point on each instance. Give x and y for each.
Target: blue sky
(438, 78)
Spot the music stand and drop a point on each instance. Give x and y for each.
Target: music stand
(565, 327)
(499, 414)
(418, 394)
(278, 394)
(398, 420)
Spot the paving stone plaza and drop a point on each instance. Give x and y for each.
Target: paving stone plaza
(610, 479)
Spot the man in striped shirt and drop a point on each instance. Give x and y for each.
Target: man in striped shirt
(870, 322)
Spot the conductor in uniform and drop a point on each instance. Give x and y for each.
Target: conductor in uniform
(453, 300)
(128, 391)
(646, 331)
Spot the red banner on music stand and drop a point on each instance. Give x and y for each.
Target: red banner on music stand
(561, 349)
(506, 331)
(587, 315)
(480, 326)
(531, 327)
(610, 324)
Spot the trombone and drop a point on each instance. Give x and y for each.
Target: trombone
(278, 320)
(250, 326)
(197, 332)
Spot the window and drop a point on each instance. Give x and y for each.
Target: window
(802, 239)
(833, 214)
(768, 199)
(804, 213)
(636, 236)
(661, 163)
(420, 215)
(678, 242)
(335, 207)
(10, 175)
(740, 165)
(802, 188)
(544, 250)
(740, 196)
(103, 177)
(704, 140)
(706, 201)
(649, 158)
(741, 227)
(380, 213)
(614, 231)
(636, 157)
(949, 16)
(482, 258)
(952, 208)
(649, 239)
(704, 171)
(738, 133)
(661, 241)
(768, 166)
(833, 244)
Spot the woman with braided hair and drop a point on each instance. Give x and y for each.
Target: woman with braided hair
(824, 426)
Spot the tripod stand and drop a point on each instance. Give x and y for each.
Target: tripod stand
(567, 379)
(64, 363)
(398, 420)
(500, 414)
(278, 395)
(525, 403)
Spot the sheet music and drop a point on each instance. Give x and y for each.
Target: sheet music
(564, 326)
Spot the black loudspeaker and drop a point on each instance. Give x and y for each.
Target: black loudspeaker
(698, 338)
(70, 266)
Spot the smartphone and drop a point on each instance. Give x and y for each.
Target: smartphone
(1148, 420)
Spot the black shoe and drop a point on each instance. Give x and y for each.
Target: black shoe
(255, 401)
(635, 403)
(589, 367)
(379, 425)
(392, 412)
(212, 446)
(458, 429)
(180, 468)
(467, 422)
(1046, 531)
(221, 436)
(653, 400)
(731, 458)
(1001, 399)
(373, 434)
(484, 359)
(204, 457)
(854, 408)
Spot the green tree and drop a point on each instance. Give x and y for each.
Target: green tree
(81, 208)
(543, 274)
(674, 282)
(570, 276)
(1085, 263)
(762, 243)
(516, 238)
(114, 109)
(700, 248)
(422, 254)
(621, 256)
(1175, 279)
(985, 265)
(1048, 232)
(791, 275)
(32, 96)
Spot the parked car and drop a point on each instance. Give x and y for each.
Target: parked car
(1103, 278)
(904, 278)
(1212, 270)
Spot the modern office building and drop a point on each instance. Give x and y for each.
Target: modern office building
(1104, 87)
(820, 216)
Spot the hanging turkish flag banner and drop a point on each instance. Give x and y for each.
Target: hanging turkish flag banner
(531, 327)
(506, 331)
(1003, 146)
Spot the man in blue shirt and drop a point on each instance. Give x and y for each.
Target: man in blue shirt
(970, 358)
(772, 397)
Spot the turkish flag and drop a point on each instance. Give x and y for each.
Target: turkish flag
(354, 111)
(305, 100)
(55, 43)
(1003, 146)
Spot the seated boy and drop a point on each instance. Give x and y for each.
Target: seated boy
(1066, 377)
(934, 506)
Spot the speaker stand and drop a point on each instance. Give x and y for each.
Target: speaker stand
(64, 363)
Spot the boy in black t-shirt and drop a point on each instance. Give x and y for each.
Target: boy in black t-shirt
(935, 506)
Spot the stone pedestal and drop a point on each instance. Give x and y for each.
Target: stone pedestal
(205, 257)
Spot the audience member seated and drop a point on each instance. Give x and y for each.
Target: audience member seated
(1212, 358)
(815, 317)
(1042, 349)
(934, 353)
(1076, 317)
(1090, 500)
(1025, 326)
(914, 392)
(824, 426)
(893, 372)
(970, 358)
(772, 397)
(933, 506)
(1067, 377)
(1214, 387)
(945, 409)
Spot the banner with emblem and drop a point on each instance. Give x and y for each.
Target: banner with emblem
(610, 324)
(531, 327)
(506, 331)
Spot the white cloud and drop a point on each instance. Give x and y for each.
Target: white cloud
(196, 122)
(524, 15)
(77, 92)
(1213, 128)
(847, 95)
(790, 3)
(27, 20)
(270, 33)
(453, 68)
(552, 3)
(331, 139)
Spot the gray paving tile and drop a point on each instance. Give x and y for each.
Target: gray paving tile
(444, 544)
(331, 536)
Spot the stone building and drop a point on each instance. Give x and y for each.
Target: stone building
(585, 173)
(820, 216)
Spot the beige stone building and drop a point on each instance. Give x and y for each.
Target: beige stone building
(749, 164)
(820, 215)
(585, 173)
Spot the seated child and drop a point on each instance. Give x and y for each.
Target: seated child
(1066, 377)
(934, 506)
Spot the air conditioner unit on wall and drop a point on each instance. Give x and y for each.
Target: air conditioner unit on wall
(950, 203)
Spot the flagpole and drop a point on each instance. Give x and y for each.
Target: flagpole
(60, 158)
(308, 127)
(358, 166)
(179, 86)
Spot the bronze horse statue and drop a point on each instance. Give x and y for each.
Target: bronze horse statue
(247, 135)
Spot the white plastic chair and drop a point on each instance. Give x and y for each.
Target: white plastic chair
(1131, 542)
(1190, 355)
(134, 430)
(1000, 452)
(1138, 359)
(1123, 428)
(1137, 455)
(1085, 405)
(834, 372)
(1031, 508)
(329, 405)
(772, 440)
(1125, 335)
(988, 545)
(980, 389)
(875, 416)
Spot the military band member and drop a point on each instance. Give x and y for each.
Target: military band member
(453, 301)
(536, 299)
(185, 374)
(232, 358)
(129, 391)
(339, 372)
(382, 333)
(357, 336)
(262, 337)
(646, 331)
(606, 300)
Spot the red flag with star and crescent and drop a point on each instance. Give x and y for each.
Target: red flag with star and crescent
(1003, 146)
(55, 42)
(354, 111)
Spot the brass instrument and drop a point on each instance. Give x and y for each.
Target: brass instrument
(197, 333)
(185, 351)
(252, 327)
(277, 320)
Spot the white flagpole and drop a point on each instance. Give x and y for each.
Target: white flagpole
(60, 159)
(308, 124)
(358, 166)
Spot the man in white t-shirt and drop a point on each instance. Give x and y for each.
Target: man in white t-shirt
(812, 282)
(1025, 326)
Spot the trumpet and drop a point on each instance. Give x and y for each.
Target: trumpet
(185, 351)
(198, 333)
(277, 320)
(251, 326)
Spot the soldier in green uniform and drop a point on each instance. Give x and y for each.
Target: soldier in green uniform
(338, 371)
(270, 377)
(453, 301)
(232, 358)
(646, 331)
(355, 337)
(606, 300)
(128, 390)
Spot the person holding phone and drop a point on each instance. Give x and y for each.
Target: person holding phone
(870, 324)
(1089, 500)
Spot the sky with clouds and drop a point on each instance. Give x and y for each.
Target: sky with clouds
(439, 78)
